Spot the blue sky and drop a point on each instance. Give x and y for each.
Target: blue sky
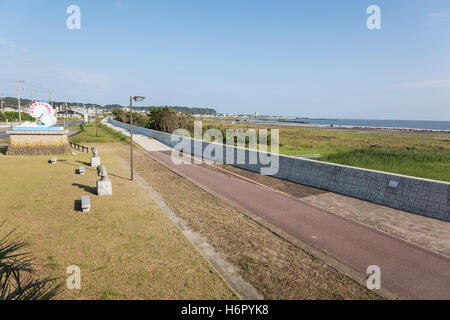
(301, 58)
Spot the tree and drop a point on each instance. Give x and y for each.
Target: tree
(120, 115)
(166, 119)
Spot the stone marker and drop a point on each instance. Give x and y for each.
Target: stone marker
(81, 171)
(85, 204)
(95, 159)
(104, 186)
(53, 160)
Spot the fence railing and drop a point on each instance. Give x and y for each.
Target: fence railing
(78, 147)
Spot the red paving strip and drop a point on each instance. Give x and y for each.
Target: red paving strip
(409, 271)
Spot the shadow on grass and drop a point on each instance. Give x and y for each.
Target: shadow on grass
(116, 176)
(91, 190)
(88, 167)
(77, 205)
(84, 162)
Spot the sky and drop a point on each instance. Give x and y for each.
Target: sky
(292, 58)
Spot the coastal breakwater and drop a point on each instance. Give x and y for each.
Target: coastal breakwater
(425, 197)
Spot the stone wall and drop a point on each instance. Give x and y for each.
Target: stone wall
(33, 144)
(429, 198)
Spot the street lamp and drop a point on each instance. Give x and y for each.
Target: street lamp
(137, 99)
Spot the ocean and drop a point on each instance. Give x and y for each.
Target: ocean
(398, 124)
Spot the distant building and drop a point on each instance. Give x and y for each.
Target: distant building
(70, 114)
(11, 109)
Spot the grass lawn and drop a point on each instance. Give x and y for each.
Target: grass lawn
(105, 134)
(126, 247)
(425, 155)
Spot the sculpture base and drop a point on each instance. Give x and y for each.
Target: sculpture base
(38, 143)
(104, 188)
(95, 162)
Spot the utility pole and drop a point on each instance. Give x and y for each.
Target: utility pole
(31, 102)
(96, 122)
(138, 99)
(131, 137)
(51, 97)
(65, 117)
(18, 99)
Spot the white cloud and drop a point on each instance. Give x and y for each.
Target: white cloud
(430, 84)
(439, 16)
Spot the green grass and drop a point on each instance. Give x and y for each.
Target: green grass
(430, 164)
(425, 155)
(105, 134)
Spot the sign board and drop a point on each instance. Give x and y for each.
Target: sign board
(39, 109)
(393, 184)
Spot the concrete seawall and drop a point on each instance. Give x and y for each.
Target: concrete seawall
(425, 197)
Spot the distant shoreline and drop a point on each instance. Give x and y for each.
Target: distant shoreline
(305, 124)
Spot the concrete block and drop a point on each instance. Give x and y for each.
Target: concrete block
(85, 204)
(81, 171)
(104, 188)
(95, 162)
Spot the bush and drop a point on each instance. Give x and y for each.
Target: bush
(14, 117)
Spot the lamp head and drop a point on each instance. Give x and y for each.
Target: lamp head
(138, 98)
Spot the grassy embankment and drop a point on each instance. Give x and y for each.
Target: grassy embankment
(425, 155)
(105, 134)
(126, 247)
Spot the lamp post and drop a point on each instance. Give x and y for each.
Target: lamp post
(96, 122)
(137, 99)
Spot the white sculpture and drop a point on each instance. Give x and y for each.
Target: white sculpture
(42, 111)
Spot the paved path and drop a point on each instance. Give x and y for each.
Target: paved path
(3, 134)
(406, 270)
